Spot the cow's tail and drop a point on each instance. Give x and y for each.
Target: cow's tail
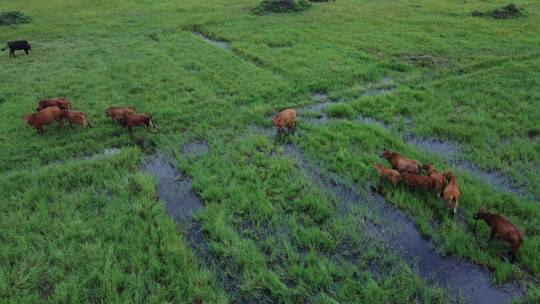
(151, 121)
(454, 205)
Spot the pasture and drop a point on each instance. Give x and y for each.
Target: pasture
(211, 207)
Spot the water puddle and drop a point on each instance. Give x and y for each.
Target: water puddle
(397, 231)
(106, 153)
(218, 43)
(174, 188)
(195, 148)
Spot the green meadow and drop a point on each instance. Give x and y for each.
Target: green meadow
(80, 225)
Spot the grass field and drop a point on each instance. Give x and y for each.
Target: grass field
(424, 78)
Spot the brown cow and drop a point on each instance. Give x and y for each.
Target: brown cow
(402, 163)
(439, 181)
(75, 117)
(44, 117)
(285, 118)
(114, 112)
(134, 120)
(62, 103)
(387, 174)
(451, 193)
(503, 228)
(417, 181)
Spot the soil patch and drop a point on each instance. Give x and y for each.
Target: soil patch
(281, 6)
(8, 18)
(505, 12)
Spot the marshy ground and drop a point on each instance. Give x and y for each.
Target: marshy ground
(211, 207)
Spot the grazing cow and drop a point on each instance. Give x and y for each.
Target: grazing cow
(387, 174)
(451, 193)
(503, 228)
(285, 118)
(439, 181)
(417, 181)
(62, 103)
(75, 117)
(44, 117)
(114, 112)
(17, 45)
(402, 163)
(134, 120)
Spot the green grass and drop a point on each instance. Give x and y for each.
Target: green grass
(90, 230)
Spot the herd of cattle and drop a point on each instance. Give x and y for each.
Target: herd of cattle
(58, 109)
(403, 169)
(443, 184)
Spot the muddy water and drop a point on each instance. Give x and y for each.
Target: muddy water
(173, 187)
(463, 279)
(218, 43)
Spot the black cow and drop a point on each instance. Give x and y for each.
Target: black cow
(17, 45)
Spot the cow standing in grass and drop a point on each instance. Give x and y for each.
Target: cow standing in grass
(62, 103)
(402, 163)
(451, 193)
(77, 118)
(114, 112)
(16, 46)
(285, 118)
(134, 120)
(439, 181)
(503, 228)
(387, 174)
(44, 117)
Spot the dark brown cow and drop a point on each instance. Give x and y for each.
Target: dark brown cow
(402, 163)
(417, 181)
(134, 120)
(62, 103)
(44, 117)
(114, 112)
(503, 228)
(75, 117)
(439, 181)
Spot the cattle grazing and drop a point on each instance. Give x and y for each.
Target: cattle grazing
(503, 228)
(134, 120)
(402, 163)
(77, 118)
(387, 174)
(417, 181)
(451, 193)
(439, 181)
(62, 103)
(285, 118)
(114, 112)
(44, 117)
(17, 45)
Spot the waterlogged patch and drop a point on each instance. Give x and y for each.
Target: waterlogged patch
(397, 232)
(173, 188)
(218, 43)
(8, 18)
(195, 148)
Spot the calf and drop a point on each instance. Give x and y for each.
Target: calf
(451, 193)
(134, 120)
(417, 181)
(17, 45)
(402, 163)
(114, 112)
(285, 118)
(75, 117)
(62, 103)
(439, 181)
(387, 174)
(503, 228)
(44, 117)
